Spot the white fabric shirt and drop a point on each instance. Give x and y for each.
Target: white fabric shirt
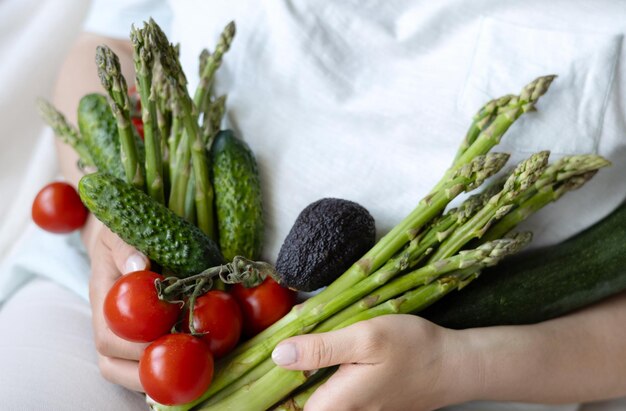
(368, 101)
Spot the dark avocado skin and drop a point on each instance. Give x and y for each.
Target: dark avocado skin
(98, 127)
(328, 236)
(238, 201)
(153, 229)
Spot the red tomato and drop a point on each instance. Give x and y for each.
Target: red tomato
(138, 125)
(263, 305)
(217, 314)
(176, 369)
(133, 311)
(57, 208)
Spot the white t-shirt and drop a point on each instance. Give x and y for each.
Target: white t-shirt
(369, 101)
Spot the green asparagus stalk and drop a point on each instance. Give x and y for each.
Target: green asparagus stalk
(490, 256)
(213, 120)
(114, 83)
(165, 84)
(482, 120)
(205, 105)
(213, 62)
(567, 174)
(523, 177)
(466, 178)
(506, 116)
(143, 59)
(200, 163)
(441, 278)
(298, 401)
(247, 379)
(64, 130)
(191, 144)
(244, 362)
(190, 199)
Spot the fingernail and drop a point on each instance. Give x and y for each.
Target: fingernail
(284, 354)
(135, 262)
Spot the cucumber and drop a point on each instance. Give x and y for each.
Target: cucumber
(147, 225)
(543, 283)
(238, 202)
(98, 127)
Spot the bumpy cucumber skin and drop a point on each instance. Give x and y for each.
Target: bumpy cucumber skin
(150, 227)
(544, 283)
(238, 201)
(98, 127)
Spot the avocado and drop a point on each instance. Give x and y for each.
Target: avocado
(328, 236)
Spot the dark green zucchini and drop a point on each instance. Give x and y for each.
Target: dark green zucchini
(147, 225)
(98, 127)
(238, 202)
(544, 283)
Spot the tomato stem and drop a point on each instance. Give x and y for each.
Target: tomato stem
(240, 270)
(192, 303)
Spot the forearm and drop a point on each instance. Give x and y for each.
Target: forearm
(576, 358)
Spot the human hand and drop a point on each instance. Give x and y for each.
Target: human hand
(394, 362)
(111, 258)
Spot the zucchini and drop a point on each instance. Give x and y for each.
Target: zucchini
(238, 202)
(98, 127)
(147, 225)
(543, 283)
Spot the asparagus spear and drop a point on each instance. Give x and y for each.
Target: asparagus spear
(143, 59)
(492, 255)
(213, 120)
(465, 178)
(565, 175)
(64, 130)
(482, 120)
(523, 177)
(506, 116)
(191, 143)
(445, 276)
(114, 83)
(297, 402)
(213, 62)
(245, 361)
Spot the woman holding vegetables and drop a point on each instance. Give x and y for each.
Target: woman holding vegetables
(360, 102)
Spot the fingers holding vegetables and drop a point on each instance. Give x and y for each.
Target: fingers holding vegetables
(383, 351)
(110, 259)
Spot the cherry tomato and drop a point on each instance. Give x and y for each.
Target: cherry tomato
(133, 311)
(217, 314)
(57, 208)
(138, 125)
(176, 369)
(263, 305)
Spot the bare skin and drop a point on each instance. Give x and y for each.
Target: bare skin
(389, 363)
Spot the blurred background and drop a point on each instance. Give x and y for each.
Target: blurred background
(35, 35)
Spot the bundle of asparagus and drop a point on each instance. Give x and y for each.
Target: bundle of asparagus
(425, 257)
(178, 130)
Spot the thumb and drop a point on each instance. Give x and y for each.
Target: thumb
(313, 351)
(126, 258)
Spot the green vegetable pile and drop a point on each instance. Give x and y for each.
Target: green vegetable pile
(432, 252)
(188, 190)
